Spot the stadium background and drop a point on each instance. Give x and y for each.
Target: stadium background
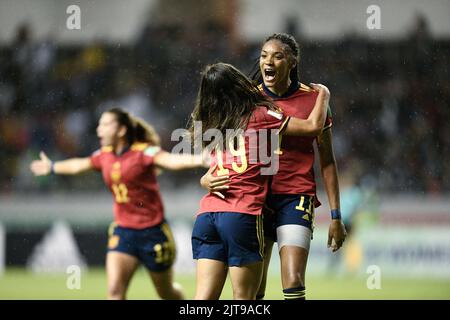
(390, 100)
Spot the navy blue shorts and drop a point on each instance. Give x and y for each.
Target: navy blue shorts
(234, 238)
(154, 247)
(288, 209)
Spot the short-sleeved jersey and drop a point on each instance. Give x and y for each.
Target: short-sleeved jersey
(248, 187)
(296, 172)
(132, 180)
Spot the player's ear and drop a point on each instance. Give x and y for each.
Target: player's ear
(293, 63)
(122, 131)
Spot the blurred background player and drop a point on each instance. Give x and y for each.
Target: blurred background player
(228, 233)
(292, 195)
(128, 159)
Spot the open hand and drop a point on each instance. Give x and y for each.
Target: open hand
(215, 184)
(41, 167)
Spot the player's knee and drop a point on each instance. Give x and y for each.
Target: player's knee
(243, 295)
(240, 296)
(166, 294)
(117, 287)
(170, 292)
(116, 292)
(211, 292)
(206, 296)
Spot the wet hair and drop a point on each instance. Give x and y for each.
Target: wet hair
(226, 99)
(138, 130)
(287, 39)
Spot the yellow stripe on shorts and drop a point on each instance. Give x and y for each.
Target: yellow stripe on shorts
(111, 228)
(168, 233)
(260, 234)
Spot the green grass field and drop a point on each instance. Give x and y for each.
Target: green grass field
(21, 284)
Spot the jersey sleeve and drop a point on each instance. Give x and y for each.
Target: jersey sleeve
(96, 160)
(329, 120)
(149, 155)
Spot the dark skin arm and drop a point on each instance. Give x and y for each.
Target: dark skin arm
(336, 231)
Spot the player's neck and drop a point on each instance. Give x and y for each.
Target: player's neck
(281, 89)
(120, 147)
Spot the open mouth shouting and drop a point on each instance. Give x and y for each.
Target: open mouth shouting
(269, 75)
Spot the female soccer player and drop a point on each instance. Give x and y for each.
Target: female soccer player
(292, 195)
(128, 158)
(228, 233)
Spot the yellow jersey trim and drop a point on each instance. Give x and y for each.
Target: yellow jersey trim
(139, 146)
(304, 87)
(284, 125)
(107, 149)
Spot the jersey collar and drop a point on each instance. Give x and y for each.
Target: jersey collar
(292, 88)
(123, 151)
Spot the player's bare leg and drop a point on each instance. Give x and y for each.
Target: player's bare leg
(166, 288)
(211, 276)
(267, 255)
(293, 268)
(245, 280)
(120, 267)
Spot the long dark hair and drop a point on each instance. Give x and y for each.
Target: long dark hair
(226, 99)
(287, 39)
(138, 130)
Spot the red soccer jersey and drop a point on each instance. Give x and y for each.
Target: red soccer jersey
(296, 172)
(132, 180)
(247, 188)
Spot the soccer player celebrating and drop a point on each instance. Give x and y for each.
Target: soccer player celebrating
(228, 233)
(128, 158)
(292, 196)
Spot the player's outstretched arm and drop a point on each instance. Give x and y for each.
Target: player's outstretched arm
(169, 161)
(314, 124)
(45, 166)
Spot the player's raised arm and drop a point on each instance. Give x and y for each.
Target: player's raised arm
(44, 166)
(170, 161)
(314, 124)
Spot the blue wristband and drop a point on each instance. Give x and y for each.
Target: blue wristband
(336, 214)
(52, 167)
